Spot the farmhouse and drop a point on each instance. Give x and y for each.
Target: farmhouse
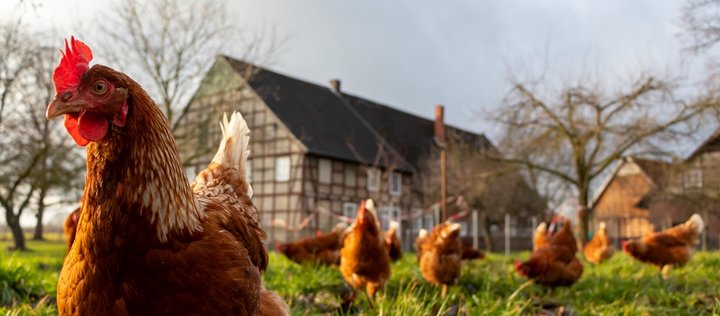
(641, 195)
(317, 151)
(616, 201)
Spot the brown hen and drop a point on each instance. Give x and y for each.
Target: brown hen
(322, 249)
(364, 259)
(147, 242)
(671, 247)
(392, 242)
(599, 248)
(555, 264)
(441, 254)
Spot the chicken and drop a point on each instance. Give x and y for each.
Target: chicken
(441, 254)
(541, 236)
(364, 259)
(470, 253)
(70, 227)
(671, 247)
(392, 242)
(323, 249)
(147, 242)
(599, 248)
(555, 264)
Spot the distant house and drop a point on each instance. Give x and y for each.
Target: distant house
(316, 151)
(616, 201)
(693, 186)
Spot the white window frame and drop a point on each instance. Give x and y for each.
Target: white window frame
(349, 209)
(394, 179)
(324, 170)
(373, 179)
(388, 213)
(692, 179)
(282, 169)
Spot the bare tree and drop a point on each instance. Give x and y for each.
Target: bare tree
(172, 43)
(31, 148)
(701, 23)
(576, 133)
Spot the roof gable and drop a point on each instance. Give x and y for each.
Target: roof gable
(652, 170)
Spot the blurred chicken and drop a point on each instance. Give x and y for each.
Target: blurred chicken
(392, 242)
(440, 255)
(322, 249)
(70, 227)
(555, 264)
(364, 259)
(599, 248)
(541, 237)
(671, 247)
(470, 253)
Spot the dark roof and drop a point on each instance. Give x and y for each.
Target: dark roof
(343, 126)
(652, 168)
(711, 144)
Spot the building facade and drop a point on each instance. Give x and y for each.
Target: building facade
(316, 151)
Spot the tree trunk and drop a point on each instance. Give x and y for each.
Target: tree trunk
(583, 213)
(17, 232)
(38, 235)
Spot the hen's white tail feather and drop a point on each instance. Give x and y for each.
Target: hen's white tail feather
(234, 147)
(697, 223)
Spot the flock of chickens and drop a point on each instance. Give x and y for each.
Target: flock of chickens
(363, 255)
(145, 241)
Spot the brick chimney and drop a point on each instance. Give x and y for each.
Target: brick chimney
(335, 84)
(440, 124)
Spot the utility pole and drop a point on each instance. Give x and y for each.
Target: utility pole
(440, 142)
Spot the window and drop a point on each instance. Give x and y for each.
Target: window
(373, 179)
(429, 222)
(324, 170)
(282, 169)
(349, 209)
(388, 213)
(692, 179)
(395, 184)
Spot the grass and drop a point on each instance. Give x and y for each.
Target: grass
(621, 286)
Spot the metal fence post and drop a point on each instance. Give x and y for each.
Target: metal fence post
(476, 229)
(507, 234)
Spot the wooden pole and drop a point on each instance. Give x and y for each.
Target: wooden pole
(440, 139)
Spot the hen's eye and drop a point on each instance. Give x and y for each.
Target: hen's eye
(99, 87)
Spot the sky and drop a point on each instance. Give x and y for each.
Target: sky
(414, 54)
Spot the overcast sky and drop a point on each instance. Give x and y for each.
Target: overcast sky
(414, 54)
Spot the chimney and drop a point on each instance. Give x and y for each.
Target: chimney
(440, 124)
(335, 84)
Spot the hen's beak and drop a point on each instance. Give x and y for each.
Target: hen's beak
(64, 104)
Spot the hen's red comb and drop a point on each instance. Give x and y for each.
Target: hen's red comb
(75, 61)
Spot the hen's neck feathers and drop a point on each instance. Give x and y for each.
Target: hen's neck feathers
(137, 169)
